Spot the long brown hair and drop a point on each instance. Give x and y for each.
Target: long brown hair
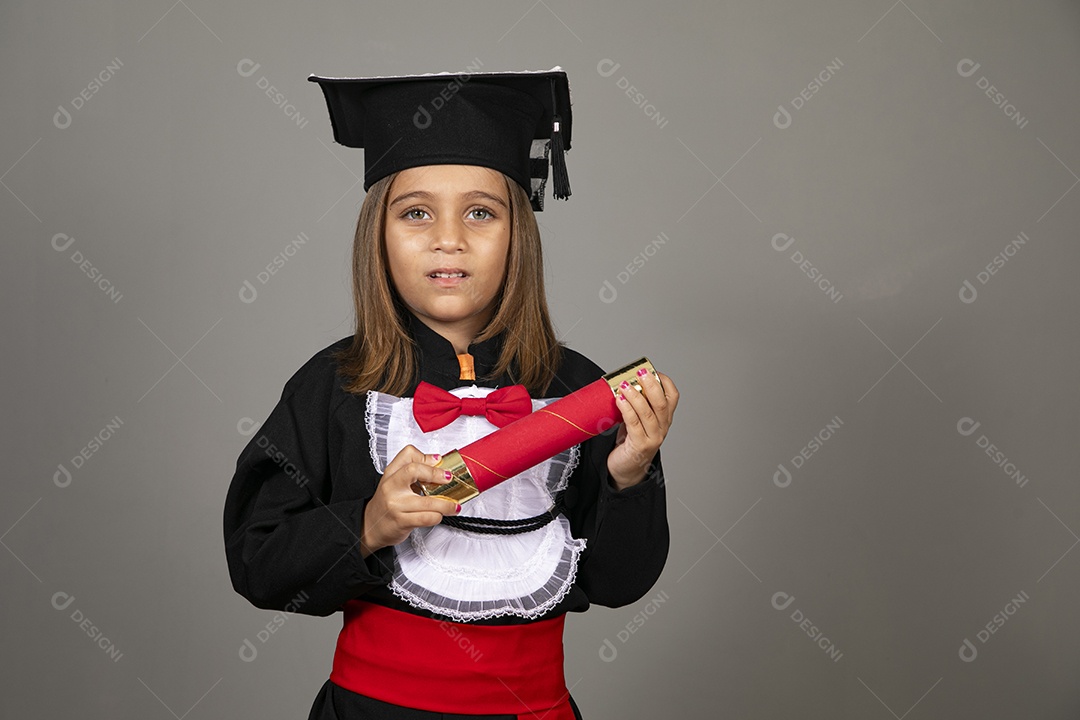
(382, 355)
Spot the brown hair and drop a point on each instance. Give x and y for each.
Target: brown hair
(383, 356)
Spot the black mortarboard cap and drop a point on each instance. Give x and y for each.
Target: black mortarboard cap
(514, 122)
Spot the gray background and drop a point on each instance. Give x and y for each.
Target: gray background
(899, 179)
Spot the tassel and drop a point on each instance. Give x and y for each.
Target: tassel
(558, 163)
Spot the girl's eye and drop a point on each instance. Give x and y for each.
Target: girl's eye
(414, 214)
(480, 214)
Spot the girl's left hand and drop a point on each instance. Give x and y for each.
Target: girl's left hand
(646, 419)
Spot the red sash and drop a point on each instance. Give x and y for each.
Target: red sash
(451, 667)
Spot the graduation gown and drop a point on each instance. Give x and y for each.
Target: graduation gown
(295, 506)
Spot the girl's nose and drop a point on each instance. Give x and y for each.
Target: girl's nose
(448, 234)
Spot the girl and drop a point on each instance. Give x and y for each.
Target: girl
(448, 609)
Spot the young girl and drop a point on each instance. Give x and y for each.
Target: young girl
(448, 608)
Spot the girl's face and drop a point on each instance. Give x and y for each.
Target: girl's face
(447, 239)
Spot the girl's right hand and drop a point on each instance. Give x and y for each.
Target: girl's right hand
(396, 509)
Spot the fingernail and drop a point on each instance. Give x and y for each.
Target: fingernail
(458, 509)
(622, 397)
(436, 456)
(642, 371)
(624, 385)
(449, 475)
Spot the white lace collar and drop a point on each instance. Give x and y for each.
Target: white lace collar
(466, 575)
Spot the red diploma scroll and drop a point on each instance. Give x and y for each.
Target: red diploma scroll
(536, 437)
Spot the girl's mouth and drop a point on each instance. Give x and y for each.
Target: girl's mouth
(448, 279)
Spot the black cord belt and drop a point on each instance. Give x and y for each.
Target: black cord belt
(491, 526)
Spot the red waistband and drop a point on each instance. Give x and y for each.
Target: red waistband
(451, 667)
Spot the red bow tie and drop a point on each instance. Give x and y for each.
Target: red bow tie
(434, 407)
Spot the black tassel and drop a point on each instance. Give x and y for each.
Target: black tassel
(561, 182)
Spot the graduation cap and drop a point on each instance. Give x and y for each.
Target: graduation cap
(513, 122)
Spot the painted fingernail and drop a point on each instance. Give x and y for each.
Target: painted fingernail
(642, 371)
(436, 456)
(449, 475)
(622, 397)
(458, 509)
(624, 385)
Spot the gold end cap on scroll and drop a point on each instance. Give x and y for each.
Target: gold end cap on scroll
(629, 373)
(460, 488)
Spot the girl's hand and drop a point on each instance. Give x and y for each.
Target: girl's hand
(396, 509)
(646, 419)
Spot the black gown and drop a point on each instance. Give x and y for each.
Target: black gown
(295, 505)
